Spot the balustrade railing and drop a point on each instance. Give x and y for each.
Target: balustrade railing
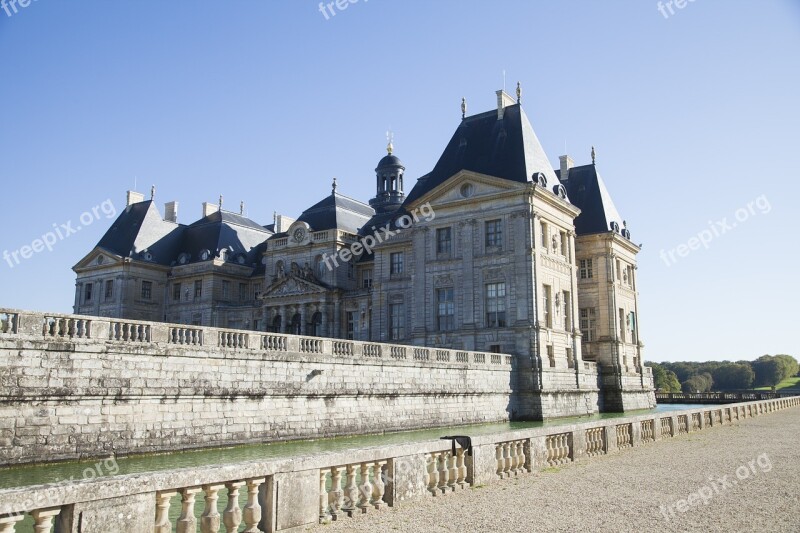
(233, 339)
(350, 489)
(274, 343)
(559, 449)
(595, 441)
(310, 345)
(445, 472)
(647, 430)
(666, 427)
(66, 327)
(129, 332)
(397, 352)
(512, 458)
(624, 436)
(186, 336)
(372, 350)
(8, 322)
(342, 348)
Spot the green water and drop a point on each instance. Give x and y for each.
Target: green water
(22, 476)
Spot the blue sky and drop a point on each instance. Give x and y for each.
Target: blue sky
(694, 117)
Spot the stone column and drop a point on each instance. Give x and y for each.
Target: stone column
(337, 318)
(467, 242)
(324, 312)
(303, 324)
(285, 319)
(420, 286)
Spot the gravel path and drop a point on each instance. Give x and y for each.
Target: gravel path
(626, 491)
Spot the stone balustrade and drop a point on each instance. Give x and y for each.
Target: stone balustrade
(77, 328)
(336, 485)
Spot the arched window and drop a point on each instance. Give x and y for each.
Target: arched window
(276, 324)
(316, 324)
(297, 325)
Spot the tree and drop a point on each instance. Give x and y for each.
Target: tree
(665, 380)
(789, 365)
(768, 370)
(698, 383)
(733, 376)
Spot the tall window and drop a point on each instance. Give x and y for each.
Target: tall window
(444, 241)
(198, 289)
(396, 263)
(351, 324)
(147, 290)
(547, 303)
(551, 355)
(256, 290)
(351, 269)
(495, 305)
(619, 270)
(564, 244)
(242, 292)
(445, 309)
(494, 233)
(586, 268)
(109, 289)
(87, 294)
(588, 324)
(632, 326)
(226, 289)
(366, 278)
(397, 322)
(570, 361)
(545, 235)
(567, 307)
(176, 292)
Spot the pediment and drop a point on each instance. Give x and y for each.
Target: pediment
(467, 186)
(98, 258)
(292, 285)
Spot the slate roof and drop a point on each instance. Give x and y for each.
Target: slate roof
(506, 148)
(587, 190)
(337, 211)
(223, 230)
(140, 228)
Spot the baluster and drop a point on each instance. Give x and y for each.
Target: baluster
(442, 472)
(210, 519)
(187, 522)
(232, 515)
(43, 519)
(452, 472)
(461, 467)
(520, 457)
(324, 515)
(498, 456)
(433, 474)
(162, 512)
(252, 510)
(350, 491)
(336, 495)
(365, 488)
(506, 460)
(7, 524)
(378, 486)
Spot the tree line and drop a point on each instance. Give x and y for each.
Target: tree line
(689, 376)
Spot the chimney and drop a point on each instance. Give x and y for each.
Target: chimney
(133, 198)
(503, 101)
(282, 223)
(171, 212)
(566, 164)
(209, 208)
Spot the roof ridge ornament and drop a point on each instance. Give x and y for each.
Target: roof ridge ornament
(220, 202)
(594, 156)
(463, 108)
(334, 185)
(153, 192)
(241, 207)
(519, 93)
(390, 138)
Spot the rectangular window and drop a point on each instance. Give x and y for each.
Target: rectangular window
(197, 319)
(570, 362)
(147, 290)
(494, 233)
(242, 292)
(444, 241)
(547, 302)
(567, 308)
(619, 271)
(366, 278)
(226, 289)
(109, 289)
(256, 291)
(588, 324)
(351, 325)
(622, 324)
(87, 294)
(495, 305)
(544, 235)
(586, 269)
(445, 310)
(632, 326)
(198, 289)
(494, 348)
(397, 322)
(396, 263)
(551, 356)
(176, 292)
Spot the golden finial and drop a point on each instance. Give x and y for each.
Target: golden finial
(333, 185)
(153, 192)
(519, 93)
(390, 138)
(463, 108)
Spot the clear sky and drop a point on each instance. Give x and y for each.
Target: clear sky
(694, 115)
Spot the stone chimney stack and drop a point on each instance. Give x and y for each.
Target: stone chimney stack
(209, 208)
(566, 164)
(503, 101)
(171, 212)
(133, 197)
(282, 223)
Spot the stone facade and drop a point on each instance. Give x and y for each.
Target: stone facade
(493, 251)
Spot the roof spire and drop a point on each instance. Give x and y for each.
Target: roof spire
(463, 108)
(153, 192)
(220, 202)
(274, 217)
(241, 207)
(594, 156)
(333, 185)
(390, 138)
(519, 93)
